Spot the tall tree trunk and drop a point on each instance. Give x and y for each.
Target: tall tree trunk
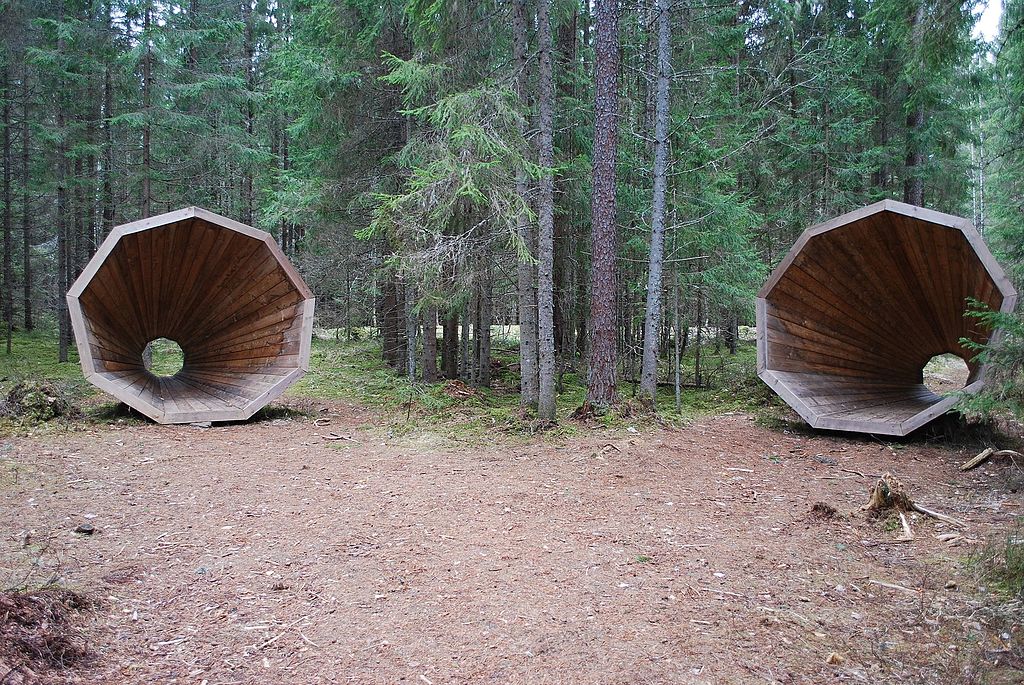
(485, 300)
(26, 206)
(391, 348)
(63, 319)
(913, 186)
(465, 359)
(107, 190)
(81, 213)
(546, 219)
(527, 291)
(601, 390)
(430, 344)
(411, 329)
(698, 374)
(147, 107)
(248, 111)
(566, 228)
(450, 345)
(677, 340)
(649, 371)
(8, 264)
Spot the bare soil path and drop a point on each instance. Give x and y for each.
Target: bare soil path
(264, 553)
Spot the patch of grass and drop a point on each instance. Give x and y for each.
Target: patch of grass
(1000, 564)
(33, 359)
(354, 371)
(167, 357)
(729, 381)
(34, 356)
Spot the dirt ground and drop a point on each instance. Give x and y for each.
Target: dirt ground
(265, 553)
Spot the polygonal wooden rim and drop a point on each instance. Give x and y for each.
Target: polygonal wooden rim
(87, 361)
(976, 381)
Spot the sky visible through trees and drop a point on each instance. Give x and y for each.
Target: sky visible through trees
(437, 168)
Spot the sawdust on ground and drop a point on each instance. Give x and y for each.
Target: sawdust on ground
(265, 553)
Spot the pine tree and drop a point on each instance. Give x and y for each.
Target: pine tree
(601, 373)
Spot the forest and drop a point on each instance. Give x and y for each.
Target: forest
(614, 179)
(522, 437)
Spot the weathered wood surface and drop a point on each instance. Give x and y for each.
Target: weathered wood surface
(223, 291)
(848, 320)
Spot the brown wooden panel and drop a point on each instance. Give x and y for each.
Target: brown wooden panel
(220, 289)
(853, 313)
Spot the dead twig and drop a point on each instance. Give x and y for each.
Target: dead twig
(862, 475)
(335, 436)
(893, 586)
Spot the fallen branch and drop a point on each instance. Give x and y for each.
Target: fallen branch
(956, 523)
(892, 586)
(335, 436)
(977, 460)
(989, 453)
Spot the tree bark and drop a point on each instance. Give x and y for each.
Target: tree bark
(913, 186)
(411, 326)
(450, 345)
(147, 106)
(8, 264)
(546, 220)
(485, 302)
(390, 322)
(429, 344)
(465, 359)
(524, 270)
(649, 371)
(601, 381)
(146, 209)
(26, 206)
(63, 319)
(699, 340)
(107, 191)
(248, 111)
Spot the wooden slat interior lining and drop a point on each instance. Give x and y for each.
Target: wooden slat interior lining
(221, 294)
(847, 325)
(877, 298)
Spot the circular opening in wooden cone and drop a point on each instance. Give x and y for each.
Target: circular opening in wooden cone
(945, 374)
(164, 358)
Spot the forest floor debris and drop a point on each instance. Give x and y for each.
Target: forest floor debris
(256, 553)
(39, 641)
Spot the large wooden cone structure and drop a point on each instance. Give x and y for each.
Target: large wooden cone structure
(848, 320)
(225, 292)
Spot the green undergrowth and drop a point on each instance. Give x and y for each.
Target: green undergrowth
(34, 356)
(39, 384)
(353, 371)
(999, 565)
